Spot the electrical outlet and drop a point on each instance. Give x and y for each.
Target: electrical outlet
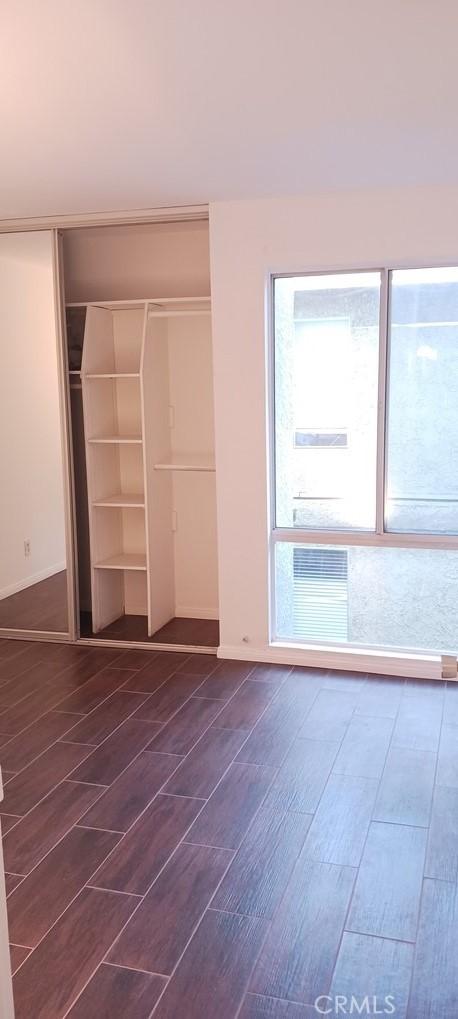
(27, 549)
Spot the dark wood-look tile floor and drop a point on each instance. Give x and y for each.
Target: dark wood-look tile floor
(188, 837)
(192, 632)
(41, 606)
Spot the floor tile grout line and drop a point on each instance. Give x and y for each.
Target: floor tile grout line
(17, 885)
(274, 997)
(380, 937)
(234, 912)
(74, 743)
(18, 818)
(135, 969)
(95, 785)
(93, 827)
(111, 891)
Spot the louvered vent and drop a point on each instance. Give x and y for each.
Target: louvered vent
(320, 605)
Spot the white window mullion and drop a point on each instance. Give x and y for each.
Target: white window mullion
(382, 404)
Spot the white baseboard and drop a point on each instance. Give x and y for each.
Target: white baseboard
(413, 666)
(35, 578)
(191, 612)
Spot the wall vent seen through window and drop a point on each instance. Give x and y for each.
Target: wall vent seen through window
(325, 438)
(320, 603)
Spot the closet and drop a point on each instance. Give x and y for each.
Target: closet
(141, 384)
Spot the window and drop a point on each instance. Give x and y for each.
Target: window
(310, 438)
(369, 597)
(377, 351)
(422, 474)
(326, 363)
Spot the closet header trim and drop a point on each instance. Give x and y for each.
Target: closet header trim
(169, 214)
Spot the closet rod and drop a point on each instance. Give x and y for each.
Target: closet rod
(178, 314)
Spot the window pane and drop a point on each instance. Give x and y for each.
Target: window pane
(365, 596)
(422, 440)
(326, 372)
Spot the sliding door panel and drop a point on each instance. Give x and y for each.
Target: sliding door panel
(33, 563)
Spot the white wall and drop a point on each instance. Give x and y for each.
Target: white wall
(31, 481)
(248, 241)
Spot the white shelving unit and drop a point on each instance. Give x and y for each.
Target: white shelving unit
(115, 461)
(147, 386)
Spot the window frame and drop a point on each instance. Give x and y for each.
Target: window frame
(380, 537)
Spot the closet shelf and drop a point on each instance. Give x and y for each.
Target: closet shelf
(117, 439)
(112, 375)
(122, 499)
(123, 561)
(187, 462)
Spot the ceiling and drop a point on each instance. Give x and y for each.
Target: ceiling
(124, 104)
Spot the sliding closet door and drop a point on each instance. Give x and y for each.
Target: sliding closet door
(35, 580)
